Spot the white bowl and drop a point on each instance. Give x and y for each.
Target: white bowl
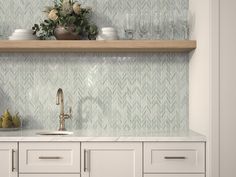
(10, 39)
(22, 34)
(22, 38)
(108, 29)
(109, 33)
(24, 31)
(102, 37)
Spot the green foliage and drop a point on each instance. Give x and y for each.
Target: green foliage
(64, 14)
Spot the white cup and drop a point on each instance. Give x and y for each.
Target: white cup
(107, 33)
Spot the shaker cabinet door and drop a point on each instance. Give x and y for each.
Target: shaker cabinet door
(111, 159)
(174, 175)
(49, 175)
(8, 162)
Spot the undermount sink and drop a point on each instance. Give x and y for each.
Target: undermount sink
(55, 133)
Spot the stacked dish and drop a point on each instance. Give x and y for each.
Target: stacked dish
(107, 33)
(22, 34)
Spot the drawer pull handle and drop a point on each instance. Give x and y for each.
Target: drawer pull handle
(175, 158)
(49, 158)
(13, 160)
(86, 160)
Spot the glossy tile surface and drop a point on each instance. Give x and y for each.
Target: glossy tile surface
(108, 92)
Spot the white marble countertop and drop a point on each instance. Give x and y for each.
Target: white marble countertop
(88, 136)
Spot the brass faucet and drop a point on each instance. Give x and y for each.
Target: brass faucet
(62, 116)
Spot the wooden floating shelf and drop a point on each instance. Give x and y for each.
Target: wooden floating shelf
(98, 46)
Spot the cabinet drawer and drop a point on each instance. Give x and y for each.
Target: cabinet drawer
(174, 157)
(46, 157)
(174, 175)
(49, 175)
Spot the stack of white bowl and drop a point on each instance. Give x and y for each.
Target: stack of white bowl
(107, 33)
(22, 34)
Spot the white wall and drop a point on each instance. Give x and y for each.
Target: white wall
(200, 71)
(215, 90)
(227, 88)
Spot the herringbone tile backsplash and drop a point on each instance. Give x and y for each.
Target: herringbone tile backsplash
(107, 92)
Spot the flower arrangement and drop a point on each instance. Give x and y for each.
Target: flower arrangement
(66, 20)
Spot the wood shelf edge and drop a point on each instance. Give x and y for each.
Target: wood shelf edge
(99, 46)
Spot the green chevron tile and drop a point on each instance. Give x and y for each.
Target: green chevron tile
(107, 92)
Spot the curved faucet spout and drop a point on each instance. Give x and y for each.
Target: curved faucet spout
(63, 116)
(60, 101)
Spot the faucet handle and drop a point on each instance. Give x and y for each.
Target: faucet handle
(68, 116)
(70, 112)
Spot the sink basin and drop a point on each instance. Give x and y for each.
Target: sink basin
(55, 133)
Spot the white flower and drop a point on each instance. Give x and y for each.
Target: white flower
(67, 7)
(76, 7)
(53, 15)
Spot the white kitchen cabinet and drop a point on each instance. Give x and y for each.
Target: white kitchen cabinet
(49, 157)
(49, 175)
(102, 159)
(111, 159)
(174, 175)
(8, 162)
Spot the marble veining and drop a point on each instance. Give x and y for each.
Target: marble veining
(89, 136)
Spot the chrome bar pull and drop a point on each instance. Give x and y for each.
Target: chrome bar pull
(175, 158)
(49, 157)
(13, 160)
(85, 160)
